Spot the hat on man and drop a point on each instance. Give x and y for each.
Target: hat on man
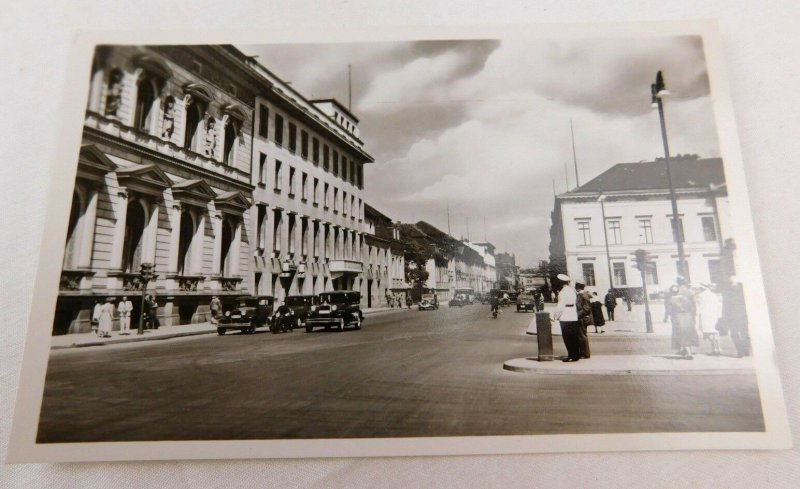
(563, 277)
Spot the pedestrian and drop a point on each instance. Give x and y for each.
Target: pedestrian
(216, 310)
(682, 312)
(408, 300)
(150, 310)
(611, 304)
(106, 318)
(584, 306)
(667, 297)
(628, 300)
(124, 308)
(567, 315)
(734, 315)
(597, 313)
(709, 310)
(98, 305)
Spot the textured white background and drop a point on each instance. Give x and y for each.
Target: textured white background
(762, 46)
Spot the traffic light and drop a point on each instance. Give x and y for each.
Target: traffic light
(642, 259)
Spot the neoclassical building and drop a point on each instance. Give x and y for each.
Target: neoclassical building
(163, 176)
(384, 267)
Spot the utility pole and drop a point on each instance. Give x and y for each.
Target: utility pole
(566, 176)
(467, 228)
(574, 157)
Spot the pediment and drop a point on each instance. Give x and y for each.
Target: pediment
(147, 179)
(234, 202)
(153, 65)
(235, 111)
(195, 191)
(93, 164)
(199, 91)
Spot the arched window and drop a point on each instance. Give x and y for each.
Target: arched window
(134, 237)
(73, 233)
(231, 138)
(194, 117)
(145, 98)
(225, 265)
(185, 243)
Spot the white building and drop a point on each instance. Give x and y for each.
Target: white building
(628, 208)
(488, 273)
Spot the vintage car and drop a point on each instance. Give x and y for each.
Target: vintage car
(336, 310)
(526, 303)
(246, 314)
(428, 302)
(301, 306)
(458, 300)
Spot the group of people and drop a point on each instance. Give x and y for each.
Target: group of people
(576, 313)
(104, 313)
(397, 300)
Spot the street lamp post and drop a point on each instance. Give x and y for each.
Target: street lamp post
(145, 275)
(659, 91)
(602, 199)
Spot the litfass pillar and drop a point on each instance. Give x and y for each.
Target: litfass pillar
(544, 337)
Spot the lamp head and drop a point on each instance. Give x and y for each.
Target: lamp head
(658, 88)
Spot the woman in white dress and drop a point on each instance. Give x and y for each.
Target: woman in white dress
(709, 310)
(106, 318)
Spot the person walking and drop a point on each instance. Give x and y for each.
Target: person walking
(734, 315)
(597, 313)
(106, 318)
(611, 304)
(408, 300)
(709, 310)
(98, 306)
(584, 306)
(216, 310)
(124, 308)
(567, 314)
(682, 312)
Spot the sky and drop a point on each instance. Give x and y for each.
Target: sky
(482, 127)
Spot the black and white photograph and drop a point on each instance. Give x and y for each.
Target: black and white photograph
(402, 246)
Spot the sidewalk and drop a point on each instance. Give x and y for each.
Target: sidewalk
(625, 322)
(668, 364)
(162, 333)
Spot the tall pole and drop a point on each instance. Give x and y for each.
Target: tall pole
(574, 156)
(448, 218)
(467, 228)
(349, 87)
(659, 91)
(554, 187)
(566, 176)
(602, 199)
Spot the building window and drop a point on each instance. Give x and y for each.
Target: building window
(263, 121)
(291, 239)
(614, 233)
(276, 232)
(360, 181)
(353, 208)
(345, 166)
(278, 175)
(278, 130)
(335, 200)
(325, 157)
(709, 228)
(619, 274)
(325, 197)
(651, 274)
(262, 169)
(194, 118)
(344, 204)
(645, 231)
(316, 239)
(303, 144)
(714, 272)
(316, 191)
(292, 137)
(145, 100)
(335, 163)
(134, 237)
(187, 231)
(588, 274)
(261, 221)
(304, 237)
(352, 172)
(291, 182)
(226, 256)
(584, 233)
(231, 138)
(677, 231)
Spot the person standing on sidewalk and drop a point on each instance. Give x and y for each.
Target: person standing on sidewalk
(567, 314)
(584, 306)
(106, 318)
(408, 300)
(734, 314)
(124, 308)
(98, 306)
(597, 313)
(611, 304)
(216, 310)
(709, 310)
(682, 312)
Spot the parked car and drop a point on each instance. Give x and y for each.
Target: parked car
(428, 302)
(526, 303)
(301, 306)
(458, 301)
(336, 309)
(247, 314)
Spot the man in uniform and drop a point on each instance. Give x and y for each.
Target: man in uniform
(566, 313)
(585, 319)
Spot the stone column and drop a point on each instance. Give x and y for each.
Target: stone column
(88, 222)
(119, 229)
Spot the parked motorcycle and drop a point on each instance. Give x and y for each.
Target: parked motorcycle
(282, 322)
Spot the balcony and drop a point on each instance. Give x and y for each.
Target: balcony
(345, 266)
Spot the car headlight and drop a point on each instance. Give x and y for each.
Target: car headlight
(333, 308)
(313, 308)
(227, 314)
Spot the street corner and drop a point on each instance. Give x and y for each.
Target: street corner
(663, 364)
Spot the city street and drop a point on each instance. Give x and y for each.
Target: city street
(405, 374)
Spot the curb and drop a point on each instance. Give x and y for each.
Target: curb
(514, 366)
(135, 339)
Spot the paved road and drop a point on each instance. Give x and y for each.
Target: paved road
(409, 373)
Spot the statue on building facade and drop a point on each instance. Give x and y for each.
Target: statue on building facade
(168, 123)
(211, 138)
(114, 97)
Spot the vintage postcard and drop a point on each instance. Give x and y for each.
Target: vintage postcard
(422, 241)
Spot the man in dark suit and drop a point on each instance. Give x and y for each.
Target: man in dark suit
(584, 305)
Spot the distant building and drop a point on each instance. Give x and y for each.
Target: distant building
(507, 271)
(638, 215)
(489, 276)
(384, 264)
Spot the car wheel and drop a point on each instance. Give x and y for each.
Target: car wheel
(340, 326)
(299, 323)
(220, 331)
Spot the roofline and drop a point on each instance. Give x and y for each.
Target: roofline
(635, 193)
(334, 101)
